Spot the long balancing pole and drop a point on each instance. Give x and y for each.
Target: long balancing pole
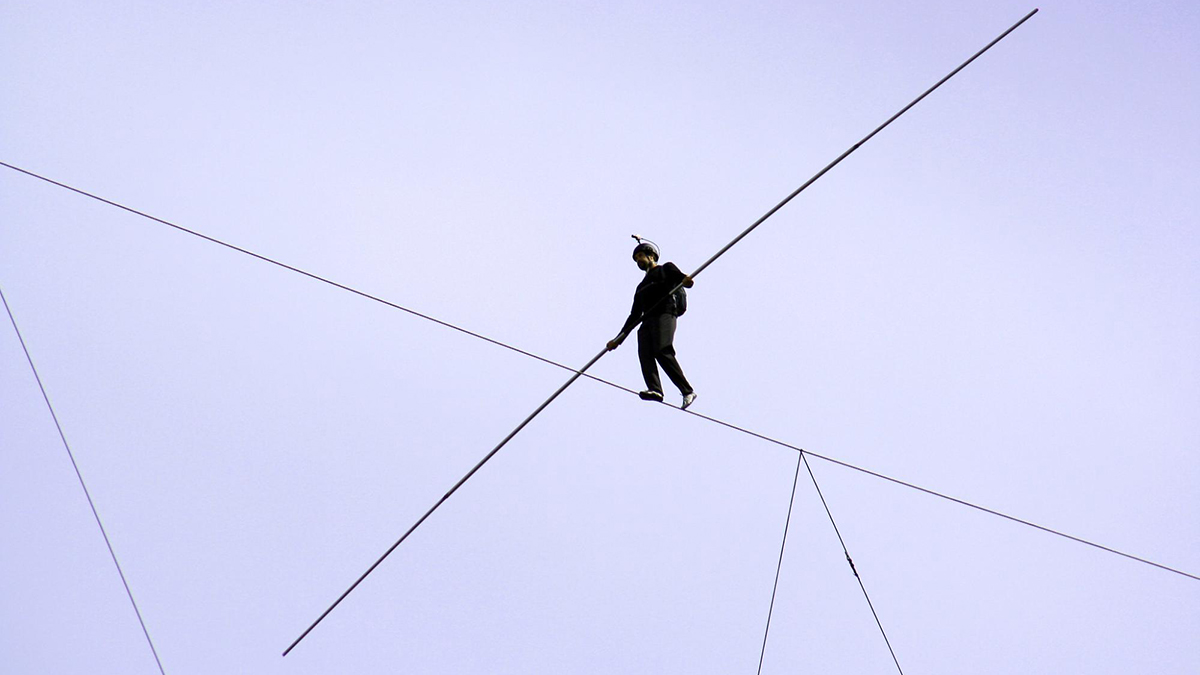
(598, 356)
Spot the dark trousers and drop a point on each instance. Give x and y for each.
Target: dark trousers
(655, 339)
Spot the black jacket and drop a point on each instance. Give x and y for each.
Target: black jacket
(653, 295)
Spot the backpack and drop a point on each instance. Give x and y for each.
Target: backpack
(680, 301)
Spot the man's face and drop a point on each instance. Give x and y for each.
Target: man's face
(643, 261)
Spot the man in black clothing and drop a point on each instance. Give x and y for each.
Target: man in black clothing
(656, 307)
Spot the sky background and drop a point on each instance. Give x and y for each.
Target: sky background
(995, 298)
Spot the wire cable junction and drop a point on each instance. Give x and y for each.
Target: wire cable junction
(850, 561)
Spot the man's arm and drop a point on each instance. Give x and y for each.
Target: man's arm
(635, 315)
(676, 276)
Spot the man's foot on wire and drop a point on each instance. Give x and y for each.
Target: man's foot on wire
(651, 395)
(687, 400)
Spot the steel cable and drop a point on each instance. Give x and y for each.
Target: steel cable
(79, 474)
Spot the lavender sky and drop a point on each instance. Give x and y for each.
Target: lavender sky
(996, 298)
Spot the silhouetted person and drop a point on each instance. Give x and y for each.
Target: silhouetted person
(657, 308)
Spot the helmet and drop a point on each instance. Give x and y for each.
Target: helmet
(645, 246)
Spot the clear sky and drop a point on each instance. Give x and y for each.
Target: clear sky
(996, 298)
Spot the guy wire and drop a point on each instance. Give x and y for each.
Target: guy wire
(851, 562)
(779, 566)
(86, 493)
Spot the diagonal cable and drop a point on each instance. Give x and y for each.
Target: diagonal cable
(556, 364)
(82, 484)
(266, 259)
(779, 566)
(851, 562)
(734, 427)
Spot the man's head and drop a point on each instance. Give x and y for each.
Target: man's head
(645, 255)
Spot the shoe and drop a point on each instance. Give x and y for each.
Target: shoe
(687, 400)
(650, 395)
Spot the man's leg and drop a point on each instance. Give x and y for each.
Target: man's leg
(646, 349)
(664, 352)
